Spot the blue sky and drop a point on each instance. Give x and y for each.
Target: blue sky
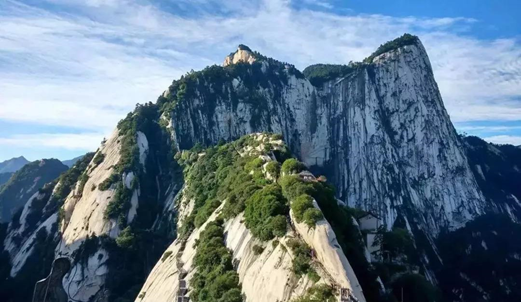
(70, 69)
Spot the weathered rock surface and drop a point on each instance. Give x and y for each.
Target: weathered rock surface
(265, 277)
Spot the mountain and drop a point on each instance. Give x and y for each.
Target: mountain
(70, 162)
(497, 169)
(26, 182)
(13, 164)
(256, 182)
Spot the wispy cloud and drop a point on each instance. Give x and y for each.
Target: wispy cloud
(81, 142)
(84, 64)
(320, 3)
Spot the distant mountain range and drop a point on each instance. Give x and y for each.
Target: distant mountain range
(71, 162)
(13, 164)
(8, 167)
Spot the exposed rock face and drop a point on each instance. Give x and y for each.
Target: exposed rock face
(265, 278)
(379, 132)
(83, 217)
(243, 54)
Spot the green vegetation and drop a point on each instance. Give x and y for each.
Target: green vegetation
(257, 249)
(221, 173)
(109, 181)
(68, 179)
(340, 219)
(98, 159)
(302, 260)
(83, 180)
(318, 74)
(126, 239)
(244, 47)
(318, 293)
(137, 248)
(215, 280)
(406, 39)
(119, 204)
(312, 216)
(291, 166)
(166, 255)
(145, 119)
(300, 205)
(214, 85)
(4, 177)
(205, 211)
(265, 213)
(299, 193)
(273, 168)
(395, 243)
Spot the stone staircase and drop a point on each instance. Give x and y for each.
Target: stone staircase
(182, 292)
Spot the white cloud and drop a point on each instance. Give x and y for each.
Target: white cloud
(488, 128)
(81, 141)
(86, 66)
(320, 3)
(504, 139)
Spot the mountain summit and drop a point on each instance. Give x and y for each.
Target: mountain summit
(243, 54)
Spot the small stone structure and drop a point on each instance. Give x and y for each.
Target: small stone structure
(182, 292)
(369, 225)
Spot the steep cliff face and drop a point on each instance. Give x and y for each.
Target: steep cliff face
(378, 130)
